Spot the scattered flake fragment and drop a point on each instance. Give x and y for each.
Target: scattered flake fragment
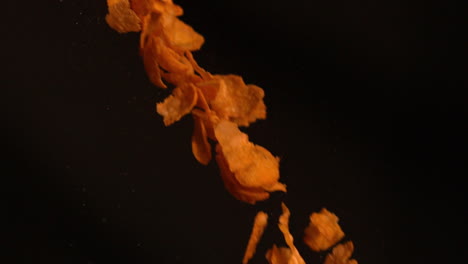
(283, 225)
(323, 231)
(121, 17)
(341, 254)
(260, 223)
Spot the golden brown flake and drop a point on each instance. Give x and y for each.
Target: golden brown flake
(121, 17)
(150, 61)
(279, 255)
(252, 165)
(201, 148)
(260, 223)
(242, 193)
(323, 231)
(238, 102)
(177, 105)
(292, 256)
(341, 254)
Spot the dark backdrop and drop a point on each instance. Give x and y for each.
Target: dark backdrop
(365, 110)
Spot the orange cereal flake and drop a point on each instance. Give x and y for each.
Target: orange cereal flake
(287, 255)
(323, 231)
(177, 105)
(201, 148)
(121, 17)
(279, 255)
(341, 254)
(240, 192)
(260, 223)
(249, 171)
(238, 102)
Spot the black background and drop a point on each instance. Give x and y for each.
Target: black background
(365, 110)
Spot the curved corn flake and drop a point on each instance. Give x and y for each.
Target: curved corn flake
(151, 28)
(341, 254)
(210, 87)
(150, 62)
(283, 225)
(179, 35)
(278, 255)
(260, 223)
(170, 60)
(209, 129)
(204, 74)
(263, 170)
(178, 104)
(235, 145)
(121, 17)
(282, 255)
(201, 148)
(178, 79)
(252, 165)
(204, 105)
(277, 186)
(248, 195)
(238, 102)
(143, 7)
(204, 112)
(206, 116)
(323, 231)
(140, 7)
(166, 6)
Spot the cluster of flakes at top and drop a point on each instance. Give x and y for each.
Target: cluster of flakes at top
(219, 104)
